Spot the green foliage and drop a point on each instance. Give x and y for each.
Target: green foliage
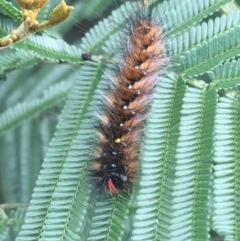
(3, 224)
(10, 10)
(189, 161)
(12, 221)
(19, 60)
(226, 75)
(96, 38)
(226, 170)
(23, 111)
(42, 45)
(180, 17)
(201, 48)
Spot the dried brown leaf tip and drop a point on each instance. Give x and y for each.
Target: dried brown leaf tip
(30, 25)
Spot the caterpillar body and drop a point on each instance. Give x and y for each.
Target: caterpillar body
(121, 127)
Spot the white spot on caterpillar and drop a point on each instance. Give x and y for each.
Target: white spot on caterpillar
(124, 143)
(124, 178)
(125, 107)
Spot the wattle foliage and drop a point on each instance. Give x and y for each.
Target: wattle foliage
(188, 183)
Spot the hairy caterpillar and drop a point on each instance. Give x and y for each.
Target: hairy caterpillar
(120, 131)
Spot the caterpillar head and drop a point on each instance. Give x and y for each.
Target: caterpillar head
(114, 178)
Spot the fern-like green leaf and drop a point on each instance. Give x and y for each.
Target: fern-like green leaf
(17, 60)
(11, 223)
(43, 14)
(197, 35)
(203, 47)
(179, 17)
(19, 113)
(190, 210)
(161, 139)
(226, 192)
(172, 210)
(3, 224)
(10, 10)
(109, 216)
(96, 37)
(227, 75)
(50, 48)
(64, 169)
(17, 218)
